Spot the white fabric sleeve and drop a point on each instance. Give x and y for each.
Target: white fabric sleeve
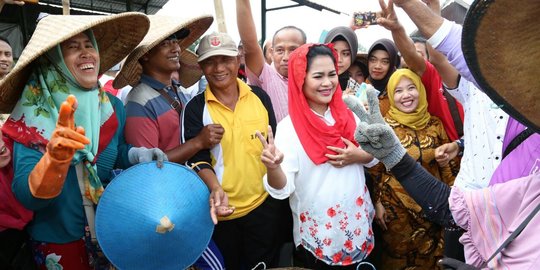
(441, 34)
(372, 163)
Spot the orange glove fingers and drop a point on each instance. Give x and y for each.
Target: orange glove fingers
(70, 134)
(66, 114)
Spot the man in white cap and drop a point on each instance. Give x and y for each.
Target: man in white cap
(248, 236)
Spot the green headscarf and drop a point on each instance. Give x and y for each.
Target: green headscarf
(37, 110)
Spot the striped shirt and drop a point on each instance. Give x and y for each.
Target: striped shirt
(151, 121)
(275, 85)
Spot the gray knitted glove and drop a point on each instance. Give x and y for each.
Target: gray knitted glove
(373, 134)
(374, 114)
(142, 154)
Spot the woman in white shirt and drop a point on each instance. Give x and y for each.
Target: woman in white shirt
(331, 206)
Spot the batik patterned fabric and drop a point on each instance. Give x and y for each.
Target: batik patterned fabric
(411, 241)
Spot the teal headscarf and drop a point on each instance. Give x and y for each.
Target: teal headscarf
(36, 112)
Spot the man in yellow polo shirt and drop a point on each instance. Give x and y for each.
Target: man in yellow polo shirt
(234, 167)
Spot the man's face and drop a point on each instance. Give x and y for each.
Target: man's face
(6, 59)
(285, 42)
(163, 59)
(221, 71)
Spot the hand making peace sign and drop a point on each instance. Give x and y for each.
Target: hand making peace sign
(271, 157)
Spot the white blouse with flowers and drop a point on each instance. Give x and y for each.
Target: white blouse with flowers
(332, 209)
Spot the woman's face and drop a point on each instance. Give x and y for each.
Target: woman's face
(378, 64)
(81, 59)
(344, 55)
(356, 74)
(320, 83)
(406, 95)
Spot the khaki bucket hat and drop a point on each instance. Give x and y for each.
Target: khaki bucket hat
(116, 35)
(501, 44)
(161, 27)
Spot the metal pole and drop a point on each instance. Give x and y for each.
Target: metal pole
(263, 22)
(220, 16)
(65, 7)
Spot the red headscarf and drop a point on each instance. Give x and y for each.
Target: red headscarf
(315, 135)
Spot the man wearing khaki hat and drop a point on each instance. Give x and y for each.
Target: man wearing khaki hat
(154, 107)
(247, 236)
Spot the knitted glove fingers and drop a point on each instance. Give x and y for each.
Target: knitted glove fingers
(356, 107)
(374, 107)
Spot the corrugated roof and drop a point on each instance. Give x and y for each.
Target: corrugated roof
(113, 6)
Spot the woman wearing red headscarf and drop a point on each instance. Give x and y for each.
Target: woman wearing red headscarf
(331, 206)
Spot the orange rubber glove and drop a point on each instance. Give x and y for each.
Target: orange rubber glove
(47, 178)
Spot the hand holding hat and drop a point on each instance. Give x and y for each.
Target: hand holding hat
(47, 178)
(219, 204)
(373, 134)
(143, 154)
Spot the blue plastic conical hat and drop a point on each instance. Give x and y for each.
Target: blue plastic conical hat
(132, 214)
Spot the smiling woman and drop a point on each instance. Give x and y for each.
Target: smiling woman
(407, 234)
(310, 152)
(82, 59)
(60, 122)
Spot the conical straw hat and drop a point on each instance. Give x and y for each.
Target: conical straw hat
(116, 35)
(161, 27)
(501, 44)
(190, 71)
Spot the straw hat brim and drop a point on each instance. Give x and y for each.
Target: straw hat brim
(161, 27)
(133, 206)
(190, 72)
(116, 35)
(501, 45)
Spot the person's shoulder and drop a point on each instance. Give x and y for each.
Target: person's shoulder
(258, 91)
(141, 93)
(198, 101)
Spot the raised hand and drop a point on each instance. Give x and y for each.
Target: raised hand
(389, 19)
(380, 141)
(434, 5)
(47, 178)
(371, 116)
(271, 157)
(66, 139)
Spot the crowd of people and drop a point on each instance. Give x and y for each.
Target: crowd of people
(412, 155)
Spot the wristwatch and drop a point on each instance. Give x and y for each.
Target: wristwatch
(461, 145)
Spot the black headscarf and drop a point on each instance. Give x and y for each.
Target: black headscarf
(348, 35)
(388, 46)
